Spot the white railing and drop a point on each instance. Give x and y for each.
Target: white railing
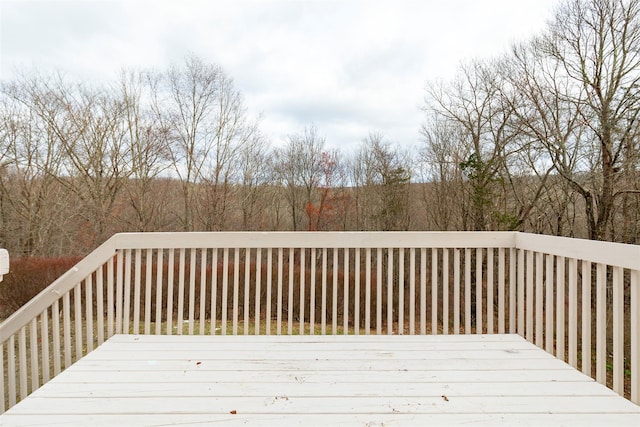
(579, 300)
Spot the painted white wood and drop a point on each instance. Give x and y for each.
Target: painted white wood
(367, 292)
(490, 291)
(247, 292)
(434, 291)
(66, 328)
(2, 375)
(44, 338)
(573, 312)
(203, 290)
(33, 347)
(225, 291)
(11, 370)
(412, 291)
(618, 330)
(635, 336)
(312, 419)
(88, 317)
(379, 292)
(181, 274)
(520, 293)
(456, 291)
(549, 305)
(334, 299)
(318, 240)
(159, 273)
(55, 332)
(170, 278)
(478, 301)
(258, 302)
(236, 290)
(409, 380)
(423, 290)
(539, 330)
(586, 318)
(401, 291)
(78, 320)
(529, 297)
(126, 310)
(22, 359)
(290, 295)
(136, 291)
(560, 307)
(467, 291)
(512, 290)
(323, 300)
(445, 291)
(501, 292)
(601, 323)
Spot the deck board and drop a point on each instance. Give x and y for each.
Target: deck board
(321, 380)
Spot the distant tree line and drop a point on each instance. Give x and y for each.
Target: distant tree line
(543, 139)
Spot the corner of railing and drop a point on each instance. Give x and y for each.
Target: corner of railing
(59, 287)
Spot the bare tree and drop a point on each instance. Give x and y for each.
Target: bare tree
(597, 45)
(298, 166)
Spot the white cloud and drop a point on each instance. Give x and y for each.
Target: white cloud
(350, 67)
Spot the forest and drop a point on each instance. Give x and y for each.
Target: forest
(544, 138)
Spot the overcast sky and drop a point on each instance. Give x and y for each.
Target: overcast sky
(349, 67)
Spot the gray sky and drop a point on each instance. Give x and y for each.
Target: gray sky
(349, 67)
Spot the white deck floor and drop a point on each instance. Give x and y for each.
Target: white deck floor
(321, 380)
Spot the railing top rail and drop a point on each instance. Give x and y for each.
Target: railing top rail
(59, 287)
(328, 239)
(614, 254)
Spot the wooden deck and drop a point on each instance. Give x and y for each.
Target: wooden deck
(321, 380)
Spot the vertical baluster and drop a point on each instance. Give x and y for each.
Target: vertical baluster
(22, 360)
(367, 289)
(323, 304)
(236, 289)
(635, 336)
(100, 304)
(356, 284)
(247, 290)
(423, 291)
(279, 302)
(269, 282)
(560, 308)
(290, 297)
(573, 312)
(147, 292)
(258, 290)
(390, 291)
(445, 291)
(379, 306)
(159, 271)
(312, 296)
(434, 291)
(501, 295)
(44, 339)
(512, 290)
(192, 289)
(346, 290)
(334, 304)
(89, 311)
(136, 293)
(303, 274)
(181, 272)
(225, 291)
(55, 333)
(601, 323)
(11, 370)
(521, 296)
(479, 321)
(467, 291)
(119, 292)
(530, 298)
(110, 302)
(214, 291)
(490, 292)
(77, 305)
(203, 291)
(539, 334)
(400, 291)
(586, 318)
(412, 291)
(456, 291)
(127, 292)
(618, 330)
(549, 335)
(33, 347)
(170, 278)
